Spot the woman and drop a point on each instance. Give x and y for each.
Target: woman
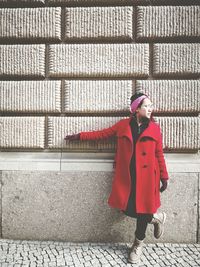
(140, 166)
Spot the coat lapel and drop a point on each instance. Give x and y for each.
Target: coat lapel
(150, 131)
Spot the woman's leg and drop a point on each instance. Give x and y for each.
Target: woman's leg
(136, 249)
(142, 222)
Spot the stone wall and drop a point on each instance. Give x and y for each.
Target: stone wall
(72, 65)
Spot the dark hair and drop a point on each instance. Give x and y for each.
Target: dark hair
(135, 96)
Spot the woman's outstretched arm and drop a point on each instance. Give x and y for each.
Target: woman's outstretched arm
(100, 134)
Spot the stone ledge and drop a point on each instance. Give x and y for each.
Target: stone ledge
(38, 161)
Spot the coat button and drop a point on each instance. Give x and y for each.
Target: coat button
(144, 153)
(144, 166)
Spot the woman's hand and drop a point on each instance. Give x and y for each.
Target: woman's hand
(72, 137)
(164, 185)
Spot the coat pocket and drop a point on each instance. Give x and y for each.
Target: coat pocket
(146, 138)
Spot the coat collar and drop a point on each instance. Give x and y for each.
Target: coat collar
(150, 131)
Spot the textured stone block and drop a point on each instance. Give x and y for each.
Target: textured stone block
(41, 22)
(168, 21)
(99, 23)
(21, 1)
(110, 60)
(176, 59)
(123, 2)
(56, 205)
(59, 127)
(171, 2)
(179, 201)
(30, 96)
(91, 2)
(22, 60)
(22, 132)
(172, 95)
(180, 133)
(100, 96)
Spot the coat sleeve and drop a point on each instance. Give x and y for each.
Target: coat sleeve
(161, 159)
(100, 134)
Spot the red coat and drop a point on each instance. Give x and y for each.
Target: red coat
(150, 165)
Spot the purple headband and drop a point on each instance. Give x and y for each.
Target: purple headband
(136, 102)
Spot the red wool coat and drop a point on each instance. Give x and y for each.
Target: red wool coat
(150, 165)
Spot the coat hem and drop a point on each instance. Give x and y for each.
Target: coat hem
(138, 212)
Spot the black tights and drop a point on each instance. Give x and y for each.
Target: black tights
(142, 221)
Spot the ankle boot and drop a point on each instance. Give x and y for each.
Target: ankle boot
(158, 221)
(136, 251)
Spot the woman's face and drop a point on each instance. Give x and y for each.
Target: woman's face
(146, 108)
